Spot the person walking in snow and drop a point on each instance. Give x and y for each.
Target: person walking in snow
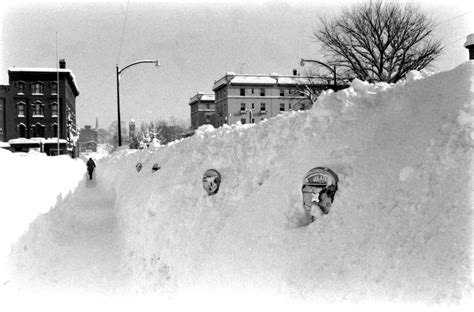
(90, 167)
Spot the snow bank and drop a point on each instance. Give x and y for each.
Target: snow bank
(30, 184)
(399, 229)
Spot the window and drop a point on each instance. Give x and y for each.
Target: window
(54, 88)
(262, 91)
(282, 107)
(22, 130)
(38, 109)
(37, 88)
(242, 92)
(289, 106)
(282, 92)
(243, 121)
(263, 108)
(55, 130)
(253, 105)
(38, 130)
(54, 110)
(242, 107)
(21, 109)
(21, 87)
(253, 91)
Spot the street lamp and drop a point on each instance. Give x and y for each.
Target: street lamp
(119, 71)
(332, 69)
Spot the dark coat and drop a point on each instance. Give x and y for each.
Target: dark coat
(90, 164)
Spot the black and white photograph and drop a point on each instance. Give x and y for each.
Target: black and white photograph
(279, 155)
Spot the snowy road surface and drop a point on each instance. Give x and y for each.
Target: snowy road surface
(78, 247)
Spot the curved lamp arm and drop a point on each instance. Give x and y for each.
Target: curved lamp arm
(118, 72)
(320, 63)
(157, 64)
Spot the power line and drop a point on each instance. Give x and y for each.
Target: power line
(462, 38)
(450, 19)
(123, 32)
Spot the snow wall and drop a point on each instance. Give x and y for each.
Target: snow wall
(400, 229)
(23, 193)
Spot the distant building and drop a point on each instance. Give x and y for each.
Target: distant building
(252, 98)
(88, 140)
(131, 129)
(29, 109)
(202, 110)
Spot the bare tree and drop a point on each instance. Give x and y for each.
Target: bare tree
(379, 41)
(310, 86)
(164, 130)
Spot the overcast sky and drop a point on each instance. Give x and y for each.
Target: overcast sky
(196, 43)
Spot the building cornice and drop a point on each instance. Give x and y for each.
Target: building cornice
(68, 72)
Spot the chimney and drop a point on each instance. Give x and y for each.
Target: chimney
(295, 72)
(62, 63)
(470, 45)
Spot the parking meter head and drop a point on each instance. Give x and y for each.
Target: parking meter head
(319, 187)
(211, 181)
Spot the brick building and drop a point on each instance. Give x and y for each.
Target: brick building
(88, 139)
(202, 110)
(252, 98)
(30, 110)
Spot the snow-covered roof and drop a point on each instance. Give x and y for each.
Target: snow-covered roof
(292, 80)
(208, 97)
(469, 40)
(259, 80)
(45, 70)
(203, 96)
(35, 141)
(54, 140)
(26, 141)
(253, 79)
(4, 144)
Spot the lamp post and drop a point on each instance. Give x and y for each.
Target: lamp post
(119, 71)
(332, 69)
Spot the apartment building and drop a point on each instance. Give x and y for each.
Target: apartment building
(88, 139)
(38, 111)
(202, 110)
(252, 98)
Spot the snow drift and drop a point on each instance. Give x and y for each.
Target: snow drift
(32, 184)
(399, 229)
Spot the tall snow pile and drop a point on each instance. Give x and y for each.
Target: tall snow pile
(399, 229)
(30, 185)
(24, 193)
